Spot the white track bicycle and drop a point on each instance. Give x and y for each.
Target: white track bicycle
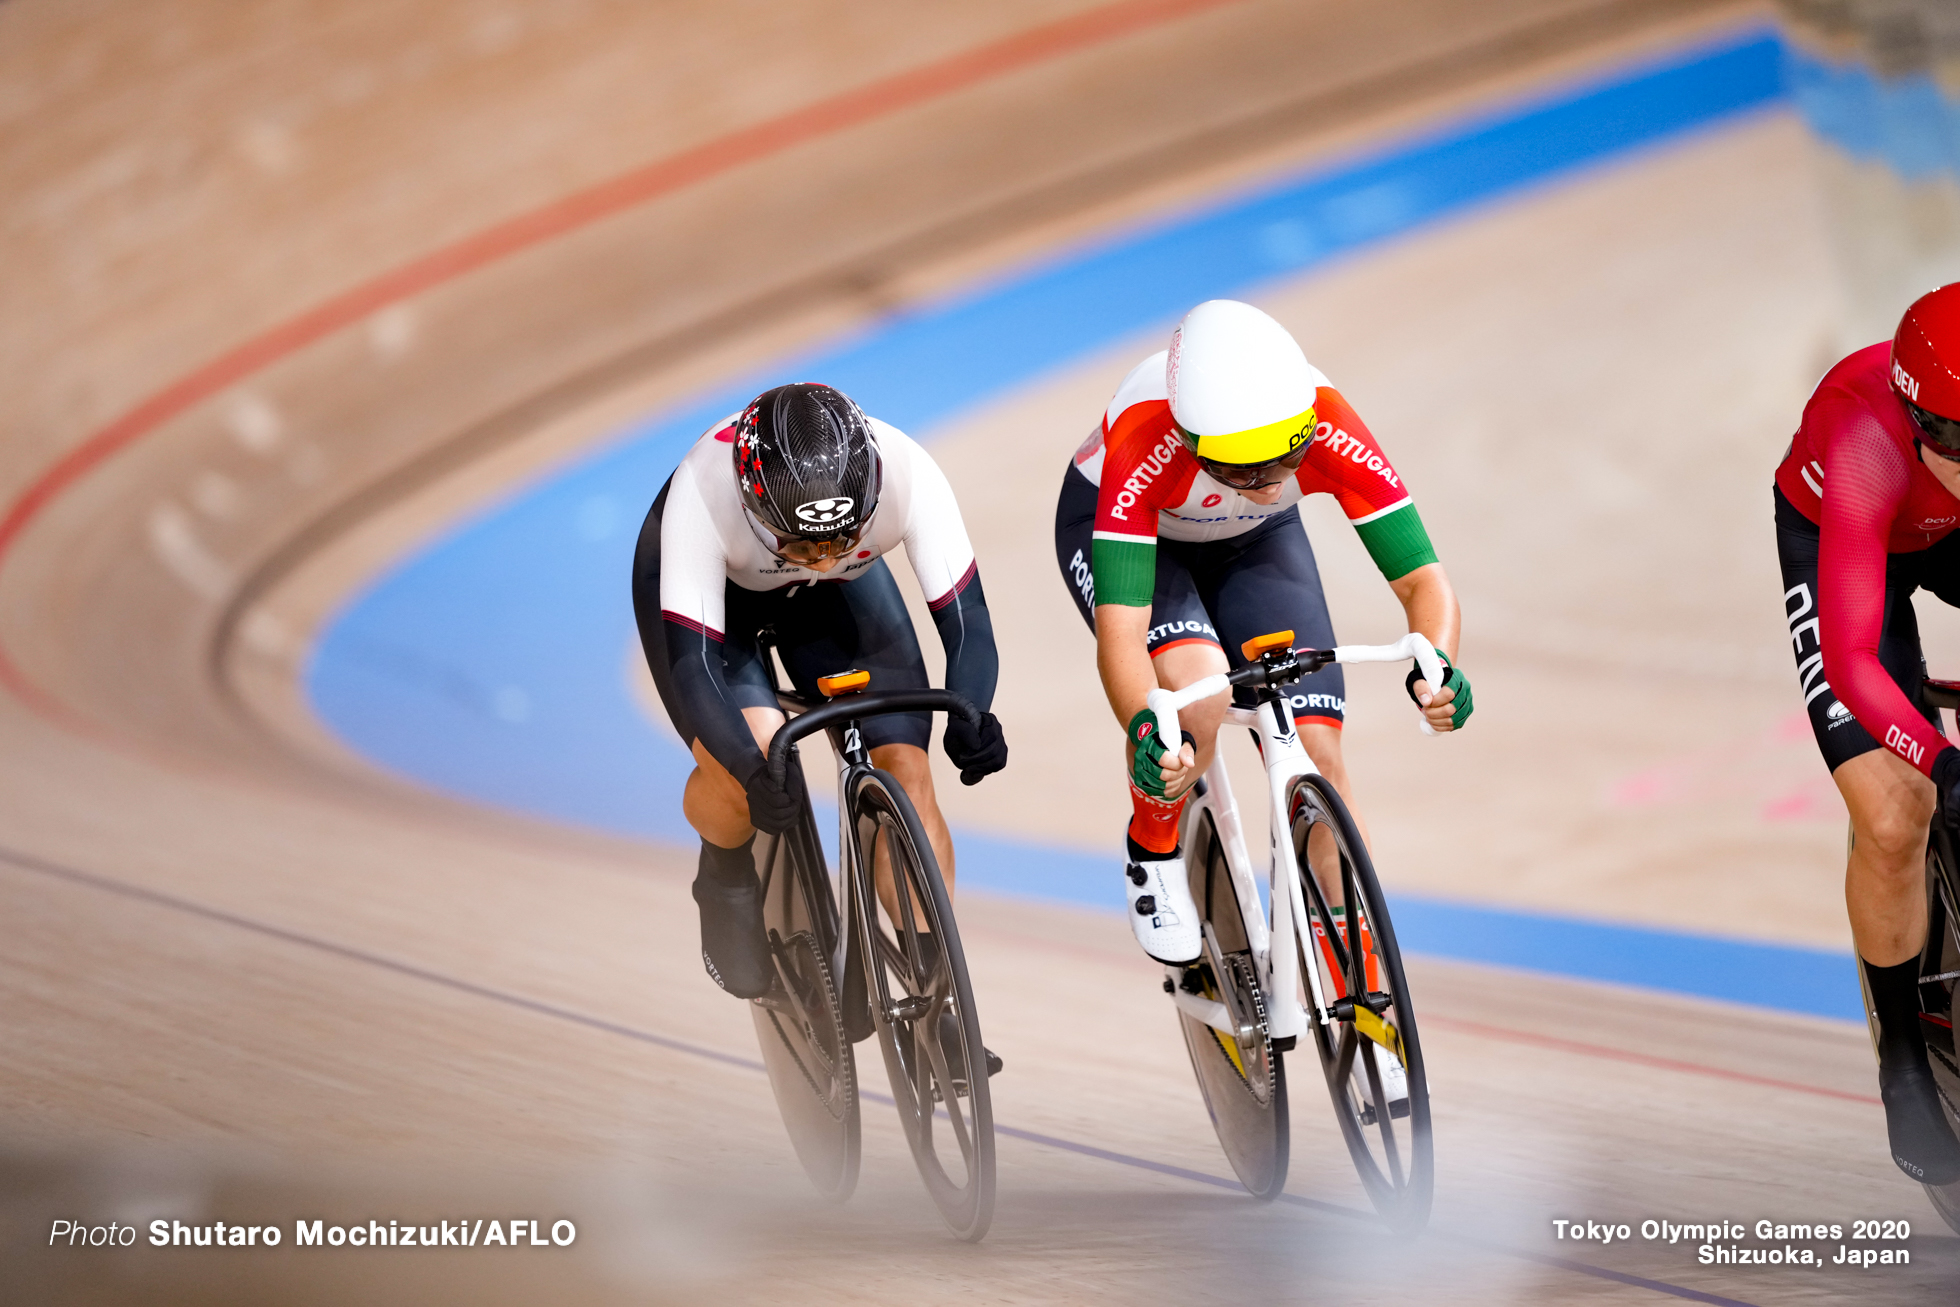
(1324, 964)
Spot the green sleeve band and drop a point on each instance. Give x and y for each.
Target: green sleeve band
(1397, 543)
(1125, 572)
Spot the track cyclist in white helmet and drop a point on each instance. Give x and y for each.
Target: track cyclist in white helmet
(1179, 534)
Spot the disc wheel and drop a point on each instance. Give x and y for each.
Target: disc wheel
(1942, 957)
(798, 1023)
(922, 1006)
(1240, 1074)
(1371, 1043)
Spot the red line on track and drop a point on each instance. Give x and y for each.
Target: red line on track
(581, 208)
(1564, 1045)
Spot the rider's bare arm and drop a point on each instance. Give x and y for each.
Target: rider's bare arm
(1430, 603)
(1128, 677)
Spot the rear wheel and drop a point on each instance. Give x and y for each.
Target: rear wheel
(922, 1006)
(1240, 1074)
(798, 1023)
(1369, 1051)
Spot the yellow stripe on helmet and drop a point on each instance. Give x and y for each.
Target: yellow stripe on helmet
(1259, 444)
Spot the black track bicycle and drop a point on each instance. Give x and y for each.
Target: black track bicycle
(888, 962)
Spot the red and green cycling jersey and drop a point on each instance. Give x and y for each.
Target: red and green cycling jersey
(1150, 487)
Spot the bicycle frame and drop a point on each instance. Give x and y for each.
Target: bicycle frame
(840, 718)
(1275, 942)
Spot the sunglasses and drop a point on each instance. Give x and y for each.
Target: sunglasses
(1254, 476)
(801, 551)
(1943, 433)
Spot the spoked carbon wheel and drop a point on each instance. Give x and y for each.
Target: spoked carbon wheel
(922, 1006)
(1941, 958)
(1370, 1052)
(1239, 1072)
(798, 1023)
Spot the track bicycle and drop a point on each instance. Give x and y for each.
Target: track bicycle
(888, 963)
(1939, 966)
(1324, 964)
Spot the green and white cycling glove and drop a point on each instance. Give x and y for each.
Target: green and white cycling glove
(1453, 679)
(1147, 765)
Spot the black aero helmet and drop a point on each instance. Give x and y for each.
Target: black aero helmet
(806, 462)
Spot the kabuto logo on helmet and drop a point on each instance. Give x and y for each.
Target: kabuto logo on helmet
(825, 512)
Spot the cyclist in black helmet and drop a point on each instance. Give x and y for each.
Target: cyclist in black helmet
(780, 516)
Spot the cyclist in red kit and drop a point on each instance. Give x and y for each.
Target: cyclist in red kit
(1867, 499)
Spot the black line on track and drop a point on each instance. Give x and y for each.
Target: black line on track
(91, 880)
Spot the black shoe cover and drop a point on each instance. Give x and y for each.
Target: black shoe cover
(949, 1038)
(1922, 1142)
(734, 947)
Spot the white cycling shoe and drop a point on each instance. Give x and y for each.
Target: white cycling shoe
(1161, 911)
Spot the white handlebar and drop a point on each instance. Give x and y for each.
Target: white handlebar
(1165, 703)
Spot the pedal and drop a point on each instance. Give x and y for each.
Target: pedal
(1285, 1043)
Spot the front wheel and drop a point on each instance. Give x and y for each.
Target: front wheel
(922, 1006)
(1367, 1037)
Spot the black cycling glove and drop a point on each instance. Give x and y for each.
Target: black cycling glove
(774, 808)
(976, 750)
(1946, 784)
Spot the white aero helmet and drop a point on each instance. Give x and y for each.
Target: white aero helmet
(1240, 389)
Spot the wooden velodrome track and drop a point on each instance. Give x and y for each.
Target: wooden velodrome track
(291, 285)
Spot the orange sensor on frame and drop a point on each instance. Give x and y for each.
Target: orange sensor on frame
(1259, 644)
(843, 683)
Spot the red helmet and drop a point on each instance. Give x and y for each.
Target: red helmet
(1926, 364)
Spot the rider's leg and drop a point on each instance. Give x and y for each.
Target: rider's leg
(1891, 804)
(910, 766)
(733, 945)
(1322, 741)
(1885, 876)
(715, 804)
(1157, 885)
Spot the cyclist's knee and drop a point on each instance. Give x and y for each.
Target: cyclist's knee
(909, 765)
(1895, 834)
(1323, 745)
(763, 724)
(1890, 805)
